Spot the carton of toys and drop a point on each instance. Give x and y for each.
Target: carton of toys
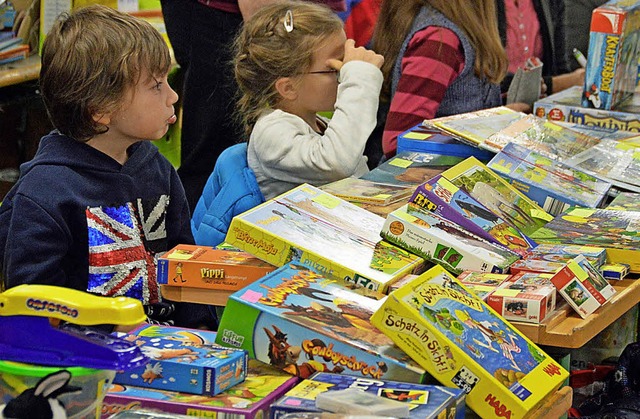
(425, 401)
(524, 297)
(302, 322)
(482, 284)
(465, 344)
(248, 400)
(184, 366)
(205, 267)
(583, 286)
(612, 65)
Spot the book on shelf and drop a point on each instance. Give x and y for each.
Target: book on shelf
(498, 195)
(14, 53)
(465, 344)
(617, 231)
(411, 168)
(553, 185)
(314, 228)
(366, 191)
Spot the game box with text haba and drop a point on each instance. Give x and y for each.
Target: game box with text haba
(302, 322)
(464, 343)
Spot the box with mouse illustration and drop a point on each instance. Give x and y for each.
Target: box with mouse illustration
(464, 343)
(184, 366)
(250, 399)
(612, 65)
(425, 401)
(197, 266)
(303, 322)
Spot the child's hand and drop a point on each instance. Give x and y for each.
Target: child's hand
(351, 53)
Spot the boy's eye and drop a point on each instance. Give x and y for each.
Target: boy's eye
(157, 85)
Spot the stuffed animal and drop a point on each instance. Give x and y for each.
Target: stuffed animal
(41, 401)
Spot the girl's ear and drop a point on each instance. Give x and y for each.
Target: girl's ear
(286, 88)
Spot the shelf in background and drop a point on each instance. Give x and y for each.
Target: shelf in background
(20, 71)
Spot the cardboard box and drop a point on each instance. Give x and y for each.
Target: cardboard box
(559, 252)
(430, 139)
(535, 265)
(426, 401)
(205, 267)
(524, 297)
(615, 271)
(303, 322)
(250, 399)
(582, 286)
(463, 343)
(482, 284)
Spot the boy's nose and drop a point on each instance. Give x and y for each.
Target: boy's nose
(173, 96)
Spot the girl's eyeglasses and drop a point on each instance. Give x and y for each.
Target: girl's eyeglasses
(332, 71)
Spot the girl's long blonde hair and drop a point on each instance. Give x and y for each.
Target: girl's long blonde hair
(477, 18)
(265, 51)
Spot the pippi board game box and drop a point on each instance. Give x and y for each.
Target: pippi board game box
(425, 401)
(440, 241)
(464, 343)
(612, 65)
(330, 235)
(177, 365)
(558, 252)
(302, 322)
(565, 106)
(496, 194)
(249, 399)
(535, 265)
(582, 286)
(617, 231)
(194, 266)
(524, 297)
(442, 197)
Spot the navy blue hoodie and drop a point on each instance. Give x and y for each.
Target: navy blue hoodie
(77, 218)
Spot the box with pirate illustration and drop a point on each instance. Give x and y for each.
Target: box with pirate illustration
(464, 343)
(303, 322)
(196, 266)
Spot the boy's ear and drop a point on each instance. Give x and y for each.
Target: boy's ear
(286, 88)
(102, 118)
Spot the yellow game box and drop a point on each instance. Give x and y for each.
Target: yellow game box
(465, 344)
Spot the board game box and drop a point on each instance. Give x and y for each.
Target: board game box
(482, 284)
(524, 297)
(465, 344)
(442, 197)
(625, 201)
(250, 399)
(302, 322)
(563, 252)
(205, 267)
(330, 235)
(425, 401)
(366, 191)
(440, 241)
(582, 286)
(496, 194)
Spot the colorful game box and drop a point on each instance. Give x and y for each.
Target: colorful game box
(482, 284)
(524, 297)
(442, 197)
(330, 235)
(425, 401)
(612, 65)
(440, 241)
(535, 265)
(430, 139)
(177, 365)
(582, 286)
(205, 267)
(302, 322)
(561, 252)
(552, 185)
(496, 194)
(465, 344)
(614, 271)
(617, 231)
(366, 191)
(248, 400)
(625, 201)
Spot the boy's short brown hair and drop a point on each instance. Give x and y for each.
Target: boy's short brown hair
(90, 59)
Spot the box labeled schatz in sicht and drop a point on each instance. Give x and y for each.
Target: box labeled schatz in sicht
(464, 343)
(176, 365)
(302, 322)
(425, 401)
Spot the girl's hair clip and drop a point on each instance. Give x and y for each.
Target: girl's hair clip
(288, 21)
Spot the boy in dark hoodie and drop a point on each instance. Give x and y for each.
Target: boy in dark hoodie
(98, 202)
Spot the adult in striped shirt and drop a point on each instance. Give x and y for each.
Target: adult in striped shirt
(442, 57)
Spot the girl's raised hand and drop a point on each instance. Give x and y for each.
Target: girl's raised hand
(353, 53)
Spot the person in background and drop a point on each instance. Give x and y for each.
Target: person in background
(536, 28)
(292, 60)
(442, 57)
(98, 201)
(577, 27)
(201, 33)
